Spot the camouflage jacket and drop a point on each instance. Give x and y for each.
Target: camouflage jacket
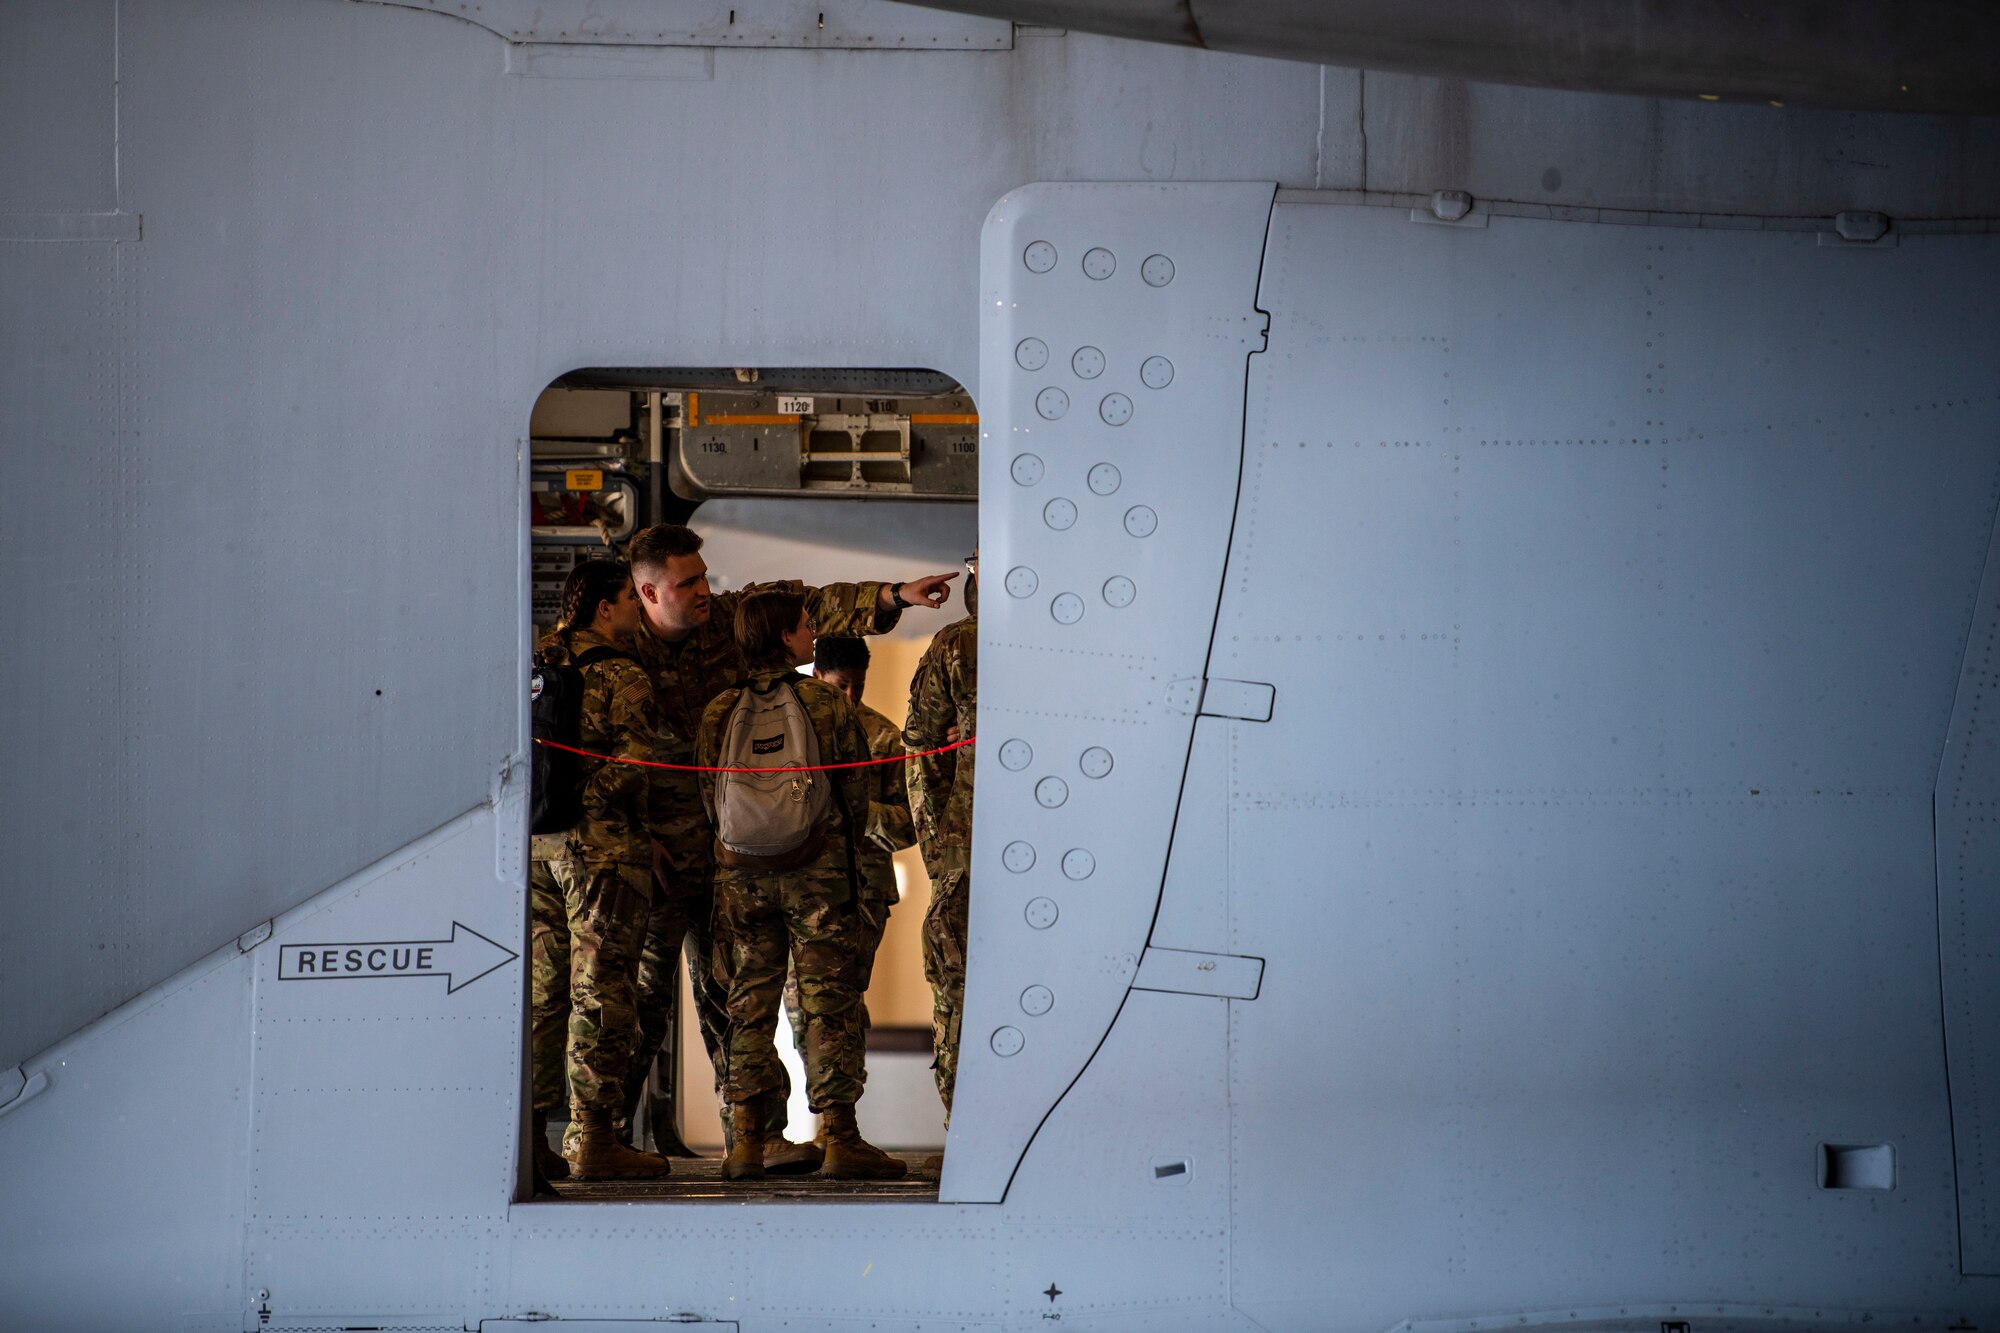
(688, 674)
(619, 718)
(888, 828)
(944, 692)
(841, 741)
(889, 825)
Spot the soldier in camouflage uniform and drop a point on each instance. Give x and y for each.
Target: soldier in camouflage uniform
(800, 908)
(606, 878)
(548, 993)
(690, 653)
(843, 663)
(944, 700)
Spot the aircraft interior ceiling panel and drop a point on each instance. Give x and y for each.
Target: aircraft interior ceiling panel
(1116, 320)
(1592, 827)
(755, 539)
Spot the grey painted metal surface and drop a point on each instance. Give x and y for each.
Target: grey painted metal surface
(1593, 824)
(828, 25)
(1106, 510)
(1969, 933)
(1928, 57)
(1519, 950)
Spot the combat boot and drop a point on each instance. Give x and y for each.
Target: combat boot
(851, 1157)
(782, 1157)
(746, 1143)
(600, 1156)
(547, 1160)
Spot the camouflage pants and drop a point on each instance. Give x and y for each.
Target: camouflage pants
(607, 907)
(869, 924)
(803, 918)
(548, 987)
(679, 925)
(944, 968)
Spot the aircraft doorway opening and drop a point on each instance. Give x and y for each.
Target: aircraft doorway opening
(821, 477)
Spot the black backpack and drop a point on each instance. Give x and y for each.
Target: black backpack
(555, 707)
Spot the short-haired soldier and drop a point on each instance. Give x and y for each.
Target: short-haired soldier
(689, 650)
(944, 707)
(795, 901)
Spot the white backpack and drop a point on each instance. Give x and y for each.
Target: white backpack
(760, 816)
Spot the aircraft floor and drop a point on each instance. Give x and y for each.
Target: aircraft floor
(700, 1179)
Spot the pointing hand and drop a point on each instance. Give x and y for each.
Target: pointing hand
(933, 591)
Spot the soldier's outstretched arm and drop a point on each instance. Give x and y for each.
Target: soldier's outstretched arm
(855, 609)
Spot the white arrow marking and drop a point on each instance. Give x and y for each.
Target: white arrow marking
(461, 960)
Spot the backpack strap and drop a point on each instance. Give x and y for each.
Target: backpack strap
(592, 656)
(847, 835)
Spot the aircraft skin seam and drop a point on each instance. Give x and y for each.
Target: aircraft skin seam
(1221, 585)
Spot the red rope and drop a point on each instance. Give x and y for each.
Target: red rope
(696, 768)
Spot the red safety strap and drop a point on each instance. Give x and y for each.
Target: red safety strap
(696, 768)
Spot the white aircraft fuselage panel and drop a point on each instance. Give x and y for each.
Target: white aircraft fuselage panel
(1485, 766)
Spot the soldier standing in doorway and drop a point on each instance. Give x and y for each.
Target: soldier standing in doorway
(689, 651)
(788, 890)
(886, 829)
(605, 873)
(944, 701)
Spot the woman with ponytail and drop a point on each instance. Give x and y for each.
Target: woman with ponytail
(590, 891)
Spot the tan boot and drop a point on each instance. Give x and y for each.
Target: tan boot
(547, 1160)
(851, 1157)
(600, 1156)
(782, 1157)
(746, 1143)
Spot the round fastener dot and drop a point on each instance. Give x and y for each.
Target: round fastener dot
(1158, 270)
(1051, 792)
(1099, 263)
(1156, 372)
(1141, 521)
(1041, 913)
(1008, 1041)
(1104, 479)
(1027, 469)
(1119, 591)
(1018, 857)
(1021, 582)
(1059, 514)
(1031, 354)
(1067, 608)
(1078, 863)
(1040, 257)
(1088, 363)
(1116, 409)
(1016, 755)
(1052, 403)
(1037, 1000)
(1095, 762)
